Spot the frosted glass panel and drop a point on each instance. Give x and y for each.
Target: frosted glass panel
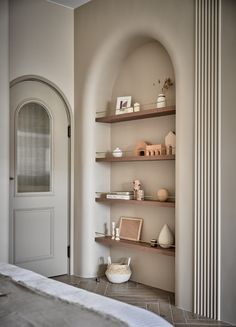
(33, 149)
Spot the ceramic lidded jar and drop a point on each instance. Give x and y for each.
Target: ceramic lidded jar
(117, 152)
(118, 273)
(161, 100)
(166, 237)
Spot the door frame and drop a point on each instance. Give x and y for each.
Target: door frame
(70, 222)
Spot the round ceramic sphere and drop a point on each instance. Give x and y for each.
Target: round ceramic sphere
(162, 195)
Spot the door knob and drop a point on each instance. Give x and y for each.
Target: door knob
(11, 178)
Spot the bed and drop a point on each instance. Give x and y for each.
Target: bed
(28, 299)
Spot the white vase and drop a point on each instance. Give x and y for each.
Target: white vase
(166, 237)
(161, 100)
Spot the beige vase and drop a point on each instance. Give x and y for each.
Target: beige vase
(166, 237)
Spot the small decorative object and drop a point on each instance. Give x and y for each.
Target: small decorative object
(123, 105)
(136, 187)
(140, 148)
(120, 195)
(170, 142)
(130, 228)
(148, 149)
(117, 238)
(161, 100)
(153, 243)
(136, 107)
(140, 195)
(113, 234)
(155, 150)
(118, 272)
(162, 195)
(117, 152)
(166, 237)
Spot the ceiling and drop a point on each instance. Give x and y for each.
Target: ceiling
(69, 3)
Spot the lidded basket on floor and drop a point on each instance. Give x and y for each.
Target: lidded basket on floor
(118, 272)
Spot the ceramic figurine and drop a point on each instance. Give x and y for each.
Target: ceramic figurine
(170, 142)
(140, 148)
(155, 150)
(136, 188)
(140, 195)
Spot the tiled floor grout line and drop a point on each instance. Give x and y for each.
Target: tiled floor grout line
(146, 297)
(105, 292)
(171, 313)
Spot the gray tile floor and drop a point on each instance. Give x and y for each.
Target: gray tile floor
(153, 299)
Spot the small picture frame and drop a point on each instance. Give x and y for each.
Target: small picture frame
(130, 228)
(123, 104)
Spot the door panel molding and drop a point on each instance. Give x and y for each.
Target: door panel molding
(22, 219)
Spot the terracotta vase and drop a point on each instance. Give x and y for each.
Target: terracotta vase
(166, 237)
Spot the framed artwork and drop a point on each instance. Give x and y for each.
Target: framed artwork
(130, 228)
(123, 105)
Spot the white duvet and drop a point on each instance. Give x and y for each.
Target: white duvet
(131, 315)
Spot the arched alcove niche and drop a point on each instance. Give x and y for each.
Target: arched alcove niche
(138, 76)
(101, 83)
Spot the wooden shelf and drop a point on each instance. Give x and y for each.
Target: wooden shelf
(156, 112)
(168, 204)
(136, 158)
(144, 246)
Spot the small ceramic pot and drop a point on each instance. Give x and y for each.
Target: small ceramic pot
(117, 152)
(161, 100)
(153, 243)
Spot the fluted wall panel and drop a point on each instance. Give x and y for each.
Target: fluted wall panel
(207, 144)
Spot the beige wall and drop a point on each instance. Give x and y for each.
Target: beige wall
(4, 129)
(106, 31)
(228, 159)
(42, 43)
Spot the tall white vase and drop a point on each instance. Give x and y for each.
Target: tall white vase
(166, 237)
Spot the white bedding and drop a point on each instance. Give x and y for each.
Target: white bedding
(131, 315)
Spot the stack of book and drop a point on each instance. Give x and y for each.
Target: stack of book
(121, 195)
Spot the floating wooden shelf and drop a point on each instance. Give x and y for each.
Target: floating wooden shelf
(168, 204)
(144, 246)
(136, 158)
(156, 112)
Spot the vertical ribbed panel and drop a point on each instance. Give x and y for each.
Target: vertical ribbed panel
(207, 143)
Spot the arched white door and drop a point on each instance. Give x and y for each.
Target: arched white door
(38, 179)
